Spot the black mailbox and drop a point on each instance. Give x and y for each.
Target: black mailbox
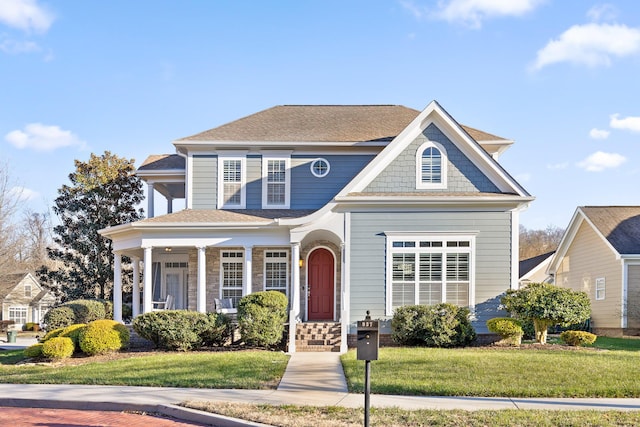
(368, 339)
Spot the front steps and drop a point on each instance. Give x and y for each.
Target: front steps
(318, 336)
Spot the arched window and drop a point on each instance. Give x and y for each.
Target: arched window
(431, 166)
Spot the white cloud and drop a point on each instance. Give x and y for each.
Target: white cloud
(523, 177)
(591, 44)
(418, 12)
(599, 161)
(473, 12)
(599, 133)
(25, 15)
(602, 12)
(40, 137)
(628, 123)
(23, 194)
(558, 166)
(16, 47)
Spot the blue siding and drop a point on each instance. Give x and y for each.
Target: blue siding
(254, 182)
(368, 265)
(310, 192)
(462, 174)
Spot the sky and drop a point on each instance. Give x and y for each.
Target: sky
(559, 77)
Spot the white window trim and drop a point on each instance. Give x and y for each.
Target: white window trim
(243, 181)
(30, 293)
(21, 308)
(287, 269)
(444, 166)
(417, 237)
(244, 270)
(601, 285)
(314, 173)
(287, 181)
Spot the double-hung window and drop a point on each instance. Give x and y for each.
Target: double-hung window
(600, 288)
(431, 166)
(232, 172)
(276, 180)
(18, 315)
(232, 275)
(276, 271)
(429, 269)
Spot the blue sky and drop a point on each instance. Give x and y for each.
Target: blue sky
(558, 77)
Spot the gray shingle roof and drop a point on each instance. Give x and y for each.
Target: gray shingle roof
(620, 225)
(322, 123)
(8, 282)
(220, 216)
(163, 162)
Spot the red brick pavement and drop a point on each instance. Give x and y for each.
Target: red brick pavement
(32, 417)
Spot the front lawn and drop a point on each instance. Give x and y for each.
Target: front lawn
(498, 372)
(229, 369)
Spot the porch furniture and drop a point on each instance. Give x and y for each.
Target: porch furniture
(225, 306)
(167, 304)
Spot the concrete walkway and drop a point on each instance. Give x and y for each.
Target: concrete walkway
(310, 379)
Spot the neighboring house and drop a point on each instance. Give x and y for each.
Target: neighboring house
(600, 254)
(534, 269)
(344, 209)
(23, 299)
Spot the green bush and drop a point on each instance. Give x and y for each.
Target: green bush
(103, 336)
(52, 334)
(578, 338)
(86, 310)
(31, 326)
(58, 348)
(261, 317)
(509, 329)
(34, 351)
(108, 308)
(59, 317)
(172, 329)
(73, 332)
(440, 325)
(218, 330)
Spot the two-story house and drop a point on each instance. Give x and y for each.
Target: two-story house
(342, 208)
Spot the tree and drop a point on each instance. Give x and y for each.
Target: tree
(538, 242)
(10, 203)
(104, 192)
(547, 305)
(36, 236)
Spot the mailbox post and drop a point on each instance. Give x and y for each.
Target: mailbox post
(367, 348)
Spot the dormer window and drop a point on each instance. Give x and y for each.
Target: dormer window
(431, 166)
(231, 182)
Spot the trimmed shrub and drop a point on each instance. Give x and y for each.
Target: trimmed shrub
(261, 317)
(52, 334)
(108, 308)
(86, 310)
(30, 326)
(578, 338)
(509, 329)
(58, 348)
(218, 330)
(103, 336)
(440, 325)
(73, 332)
(172, 329)
(59, 317)
(33, 351)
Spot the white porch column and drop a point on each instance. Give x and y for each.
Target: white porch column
(135, 291)
(150, 195)
(294, 312)
(248, 273)
(147, 292)
(201, 290)
(345, 301)
(117, 287)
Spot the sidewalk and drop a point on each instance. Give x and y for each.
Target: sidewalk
(310, 379)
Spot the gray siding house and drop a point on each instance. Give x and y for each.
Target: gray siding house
(342, 208)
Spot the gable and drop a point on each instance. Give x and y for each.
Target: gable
(474, 168)
(463, 176)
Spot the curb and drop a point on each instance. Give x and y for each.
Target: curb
(173, 411)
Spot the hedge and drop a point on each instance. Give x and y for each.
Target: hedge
(440, 325)
(261, 317)
(103, 336)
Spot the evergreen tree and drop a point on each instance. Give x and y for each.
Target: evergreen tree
(104, 192)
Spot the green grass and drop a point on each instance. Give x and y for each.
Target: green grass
(625, 344)
(498, 372)
(234, 369)
(311, 416)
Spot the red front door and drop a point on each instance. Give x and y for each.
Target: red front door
(320, 273)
